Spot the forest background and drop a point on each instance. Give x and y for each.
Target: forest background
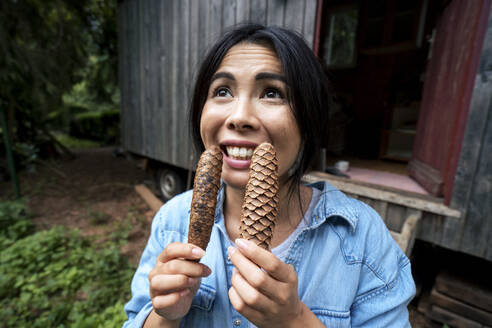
(58, 92)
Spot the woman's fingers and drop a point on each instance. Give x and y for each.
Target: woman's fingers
(186, 267)
(166, 284)
(164, 301)
(249, 294)
(256, 277)
(181, 250)
(241, 306)
(267, 261)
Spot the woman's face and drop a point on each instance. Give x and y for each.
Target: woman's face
(247, 105)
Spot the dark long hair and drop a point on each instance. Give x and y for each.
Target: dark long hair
(309, 94)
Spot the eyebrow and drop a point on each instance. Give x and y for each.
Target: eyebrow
(259, 76)
(220, 75)
(270, 76)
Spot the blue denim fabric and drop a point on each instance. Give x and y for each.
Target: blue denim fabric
(351, 272)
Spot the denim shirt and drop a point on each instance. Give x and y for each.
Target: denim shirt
(351, 273)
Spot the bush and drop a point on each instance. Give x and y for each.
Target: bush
(97, 125)
(57, 278)
(14, 223)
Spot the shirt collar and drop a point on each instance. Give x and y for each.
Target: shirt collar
(333, 205)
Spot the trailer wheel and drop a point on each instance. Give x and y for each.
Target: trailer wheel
(169, 182)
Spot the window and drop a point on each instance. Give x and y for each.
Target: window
(339, 46)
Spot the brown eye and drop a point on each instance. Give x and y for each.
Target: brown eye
(272, 93)
(222, 92)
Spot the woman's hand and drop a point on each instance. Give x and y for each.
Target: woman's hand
(264, 289)
(175, 279)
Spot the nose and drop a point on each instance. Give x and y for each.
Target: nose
(242, 116)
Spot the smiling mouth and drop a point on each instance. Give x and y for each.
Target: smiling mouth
(240, 153)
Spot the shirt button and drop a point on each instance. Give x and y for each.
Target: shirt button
(237, 322)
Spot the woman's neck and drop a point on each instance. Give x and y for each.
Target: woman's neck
(291, 211)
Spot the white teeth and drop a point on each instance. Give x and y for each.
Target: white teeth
(239, 152)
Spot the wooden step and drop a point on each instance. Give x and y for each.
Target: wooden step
(451, 319)
(476, 293)
(460, 308)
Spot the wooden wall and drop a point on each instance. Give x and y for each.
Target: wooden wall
(472, 192)
(447, 92)
(161, 43)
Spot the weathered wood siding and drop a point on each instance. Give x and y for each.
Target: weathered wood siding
(161, 43)
(447, 94)
(473, 183)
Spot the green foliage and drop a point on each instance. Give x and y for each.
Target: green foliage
(113, 316)
(57, 278)
(103, 126)
(48, 48)
(14, 223)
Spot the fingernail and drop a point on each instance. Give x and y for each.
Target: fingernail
(197, 252)
(231, 250)
(242, 243)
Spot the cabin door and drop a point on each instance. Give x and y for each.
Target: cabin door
(449, 79)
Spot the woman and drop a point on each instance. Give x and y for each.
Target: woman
(333, 262)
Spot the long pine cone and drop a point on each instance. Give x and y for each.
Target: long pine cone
(205, 189)
(260, 206)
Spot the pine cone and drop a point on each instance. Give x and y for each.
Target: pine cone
(205, 189)
(260, 206)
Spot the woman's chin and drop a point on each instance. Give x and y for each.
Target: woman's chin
(237, 180)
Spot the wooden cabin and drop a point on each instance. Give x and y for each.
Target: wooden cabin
(413, 81)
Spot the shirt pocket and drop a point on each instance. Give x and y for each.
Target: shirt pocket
(333, 319)
(204, 298)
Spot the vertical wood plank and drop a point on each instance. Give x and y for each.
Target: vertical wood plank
(275, 12)
(215, 20)
(136, 116)
(158, 87)
(153, 75)
(142, 52)
(294, 15)
(430, 227)
(229, 13)
(258, 11)
(395, 217)
(175, 75)
(165, 134)
(202, 27)
(479, 216)
(242, 11)
(194, 54)
(382, 208)
(309, 26)
(186, 83)
(122, 64)
(147, 88)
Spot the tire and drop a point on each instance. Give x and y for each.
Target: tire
(169, 182)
